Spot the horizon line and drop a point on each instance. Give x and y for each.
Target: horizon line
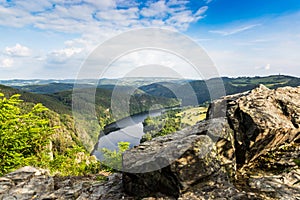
(116, 78)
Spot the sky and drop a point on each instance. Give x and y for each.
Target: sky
(53, 38)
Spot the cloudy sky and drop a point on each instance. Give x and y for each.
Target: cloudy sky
(53, 38)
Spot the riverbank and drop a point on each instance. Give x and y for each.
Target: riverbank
(133, 119)
(132, 129)
(128, 129)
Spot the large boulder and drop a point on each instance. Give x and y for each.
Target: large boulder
(245, 138)
(173, 163)
(264, 119)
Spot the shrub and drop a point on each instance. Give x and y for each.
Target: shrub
(113, 159)
(24, 136)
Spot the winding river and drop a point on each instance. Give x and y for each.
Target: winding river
(129, 129)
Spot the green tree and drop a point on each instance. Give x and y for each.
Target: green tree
(24, 135)
(113, 159)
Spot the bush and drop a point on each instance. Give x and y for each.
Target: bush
(74, 162)
(113, 159)
(24, 136)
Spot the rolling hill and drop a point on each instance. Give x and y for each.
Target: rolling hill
(57, 96)
(61, 103)
(231, 86)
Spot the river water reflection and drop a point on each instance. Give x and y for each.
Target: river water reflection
(130, 130)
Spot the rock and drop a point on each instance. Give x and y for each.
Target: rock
(243, 134)
(31, 183)
(5, 184)
(174, 163)
(26, 183)
(264, 119)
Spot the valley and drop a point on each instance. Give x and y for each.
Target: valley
(57, 96)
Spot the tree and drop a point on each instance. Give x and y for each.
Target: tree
(24, 135)
(113, 159)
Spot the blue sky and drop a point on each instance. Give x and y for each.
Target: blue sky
(52, 38)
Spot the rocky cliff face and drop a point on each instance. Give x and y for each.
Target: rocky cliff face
(245, 149)
(30, 183)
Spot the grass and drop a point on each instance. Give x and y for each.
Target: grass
(269, 81)
(191, 116)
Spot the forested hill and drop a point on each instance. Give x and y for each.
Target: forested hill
(61, 103)
(47, 100)
(237, 85)
(58, 96)
(231, 86)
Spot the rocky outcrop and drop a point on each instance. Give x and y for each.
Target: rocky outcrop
(173, 163)
(31, 183)
(244, 150)
(264, 119)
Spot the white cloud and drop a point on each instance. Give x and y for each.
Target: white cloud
(102, 4)
(119, 18)
(18, 50)
(150, 63)
(63, 55)
(234, 30)
(6, 62)
(89, 22)
(95, 23)
(177, 2)
(268, 67)
(201, 11)
(157, 9)
(35, 6)
(172, 13)
(87, 15)
(208, 1)
(270, 49)
(127, 3)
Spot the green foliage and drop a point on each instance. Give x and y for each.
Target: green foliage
(164, 124)
(74, 161)
(48, 101)
(113, 159)
(49, 88)
(29, 137)
(171, 121)
(297, 162)
(24, 137)
(143, 102)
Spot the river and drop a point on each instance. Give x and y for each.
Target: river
(129, 129)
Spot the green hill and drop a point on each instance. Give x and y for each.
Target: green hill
(47, 100)
(88, 132)
(231, 86)
(146, 97)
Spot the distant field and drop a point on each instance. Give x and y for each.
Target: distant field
(192, 115)
(269, 81)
